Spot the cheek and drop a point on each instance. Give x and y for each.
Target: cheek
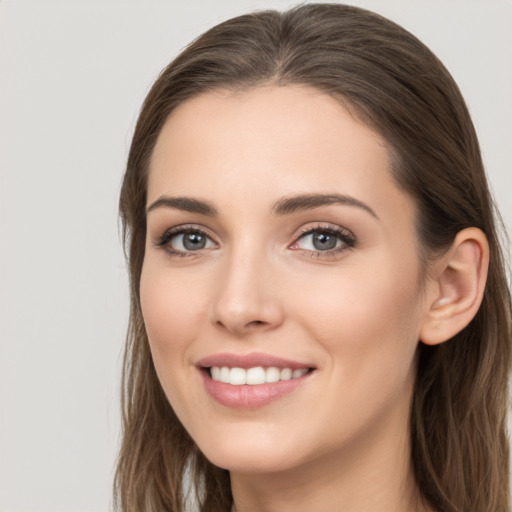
(367, 318)
(367, 326)
(170, 307)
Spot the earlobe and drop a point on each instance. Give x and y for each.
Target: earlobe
(459, 283)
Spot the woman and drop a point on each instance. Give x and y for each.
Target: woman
(320, 318)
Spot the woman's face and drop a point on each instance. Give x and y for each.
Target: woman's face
(278, 239)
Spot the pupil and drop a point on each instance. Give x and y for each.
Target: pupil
(324, 241)
(194, 241)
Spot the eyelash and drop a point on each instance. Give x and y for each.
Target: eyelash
(170, 234)
(348, 240)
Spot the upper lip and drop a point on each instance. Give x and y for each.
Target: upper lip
(250, 361)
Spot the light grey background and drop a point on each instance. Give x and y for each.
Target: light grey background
(72, 77)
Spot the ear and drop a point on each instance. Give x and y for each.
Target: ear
(459, 278)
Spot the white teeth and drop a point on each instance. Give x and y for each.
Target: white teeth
(273, 374)
(224, 374)
(254, 376)
(286, 374)
(299, 373)
(237, 376)
(215, 372)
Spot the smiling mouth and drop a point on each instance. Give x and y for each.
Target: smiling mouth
(254, 376)
(250, 381)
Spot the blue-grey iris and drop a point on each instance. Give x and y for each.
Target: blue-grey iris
(194, 241)
(324, 241)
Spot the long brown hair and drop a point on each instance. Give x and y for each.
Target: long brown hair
(393, 83)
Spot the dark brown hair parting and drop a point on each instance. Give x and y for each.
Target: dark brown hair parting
(394, 84)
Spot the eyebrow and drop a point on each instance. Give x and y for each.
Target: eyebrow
(306, 202)
(187, 204)
(285, 206)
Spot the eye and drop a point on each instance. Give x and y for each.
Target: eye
(325, 240)
(184, 240)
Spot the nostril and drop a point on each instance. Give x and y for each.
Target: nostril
(256, 323)
(246, 327)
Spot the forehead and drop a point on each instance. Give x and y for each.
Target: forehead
(267, 117)
(272, 141)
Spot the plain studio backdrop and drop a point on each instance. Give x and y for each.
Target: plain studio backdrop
(72, 77)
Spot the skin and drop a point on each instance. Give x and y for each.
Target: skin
(340, 441)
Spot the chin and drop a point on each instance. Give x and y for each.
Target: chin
(250, 455)
(250, 462)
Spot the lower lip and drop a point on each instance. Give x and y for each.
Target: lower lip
(250, 396)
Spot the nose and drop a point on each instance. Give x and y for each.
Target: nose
(247, 299)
